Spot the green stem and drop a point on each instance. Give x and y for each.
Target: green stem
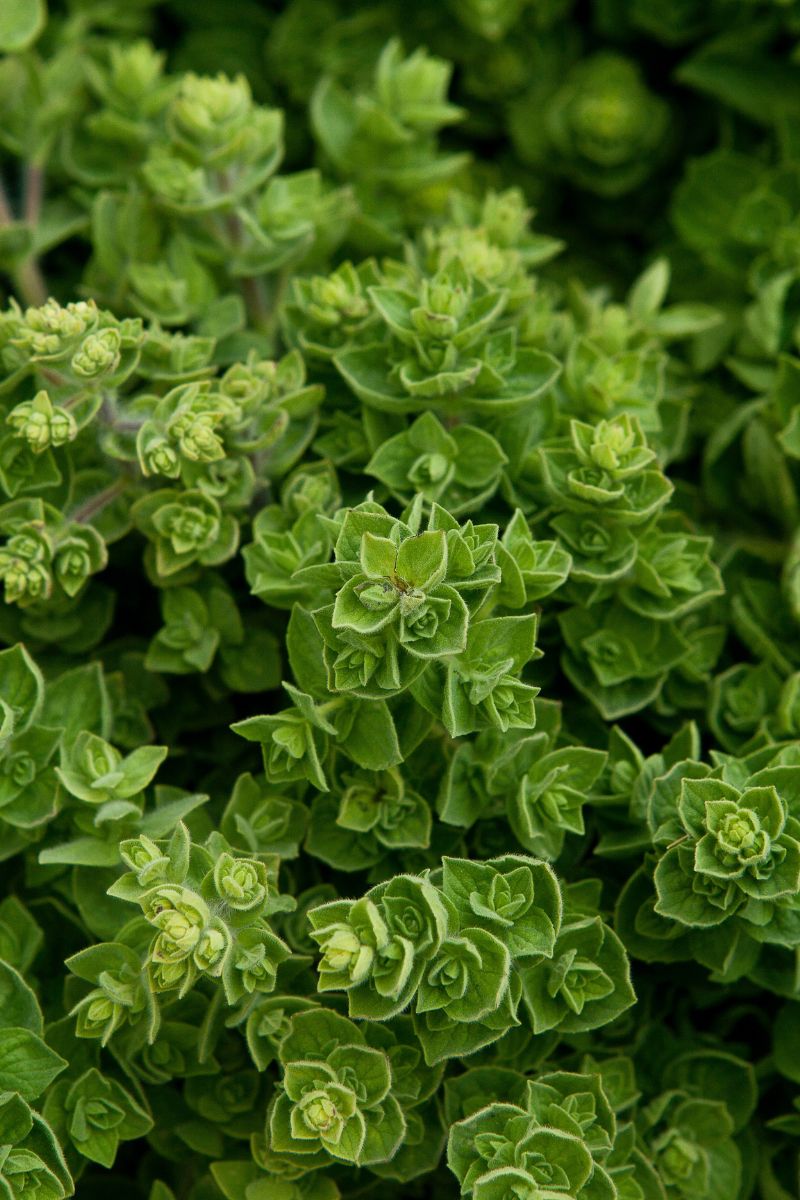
(261, 311)
(255, 301)
(251, 287)
(29, 283)
(34, 192)
(27, 278)
(278, 293)
(51, 376)
(83, 514)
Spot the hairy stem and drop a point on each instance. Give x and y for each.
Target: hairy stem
(96, 503)
(27, 278)
(34, 192)
(262, 314)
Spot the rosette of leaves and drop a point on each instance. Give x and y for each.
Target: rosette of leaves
(396, 611)
(208, 909)
(260, 821)
(104, 796)
(120, 995)
(446, 347)
(297, 220)
(226, 1104)
(129, 92)
(377, 812)
(481, 688)
(294, 742)
(384, 139)
(491, 234)
(66, 356)
(736, 854)
(467, 977)
(326, 313)
(672, 574)
(81, 345)
(209, 437)
(188, 423)
(541, 787)
(532, 569)
(746, 190)
(629, 777)
(550, 788)
(96, 773)
(289, 537)
(186, 529)
(728, 927)
(603, 128)
(691, 1145)
(618, 659)
(515, 897)
(91, 1115)
(586, 982)
(450, 950)
(28, 749)
(406, 605)
(601, 551)
(376, 948)
(597, 1105)
(335, 1101)
(46, 559)
(189, 638)
(743, 705)
(255, 408)
(459, 470)
(203, 626)
(42, 424)
(502, 1150)
(609, 372)
(268, 1022)
(465, 958)
(607, 469)
(31, 1159)
(577, 1103)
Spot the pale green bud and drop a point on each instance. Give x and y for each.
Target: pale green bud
(41, 424)
(98, 354)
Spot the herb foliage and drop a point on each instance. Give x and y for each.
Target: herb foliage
(400, 635)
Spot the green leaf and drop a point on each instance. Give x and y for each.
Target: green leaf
(786, 1037)
(21, 688)
(78, 700)
(27, 1064)
(18, 1005)
(304, 648)
(82, 852)
(753, 84)
(139, 768)
(21, 22)
(369, 736)
(649, 291)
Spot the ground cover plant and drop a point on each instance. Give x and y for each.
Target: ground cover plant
(400, 636)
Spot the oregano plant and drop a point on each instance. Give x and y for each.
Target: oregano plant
(399, 600)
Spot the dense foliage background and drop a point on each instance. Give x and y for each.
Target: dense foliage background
(400, 692)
